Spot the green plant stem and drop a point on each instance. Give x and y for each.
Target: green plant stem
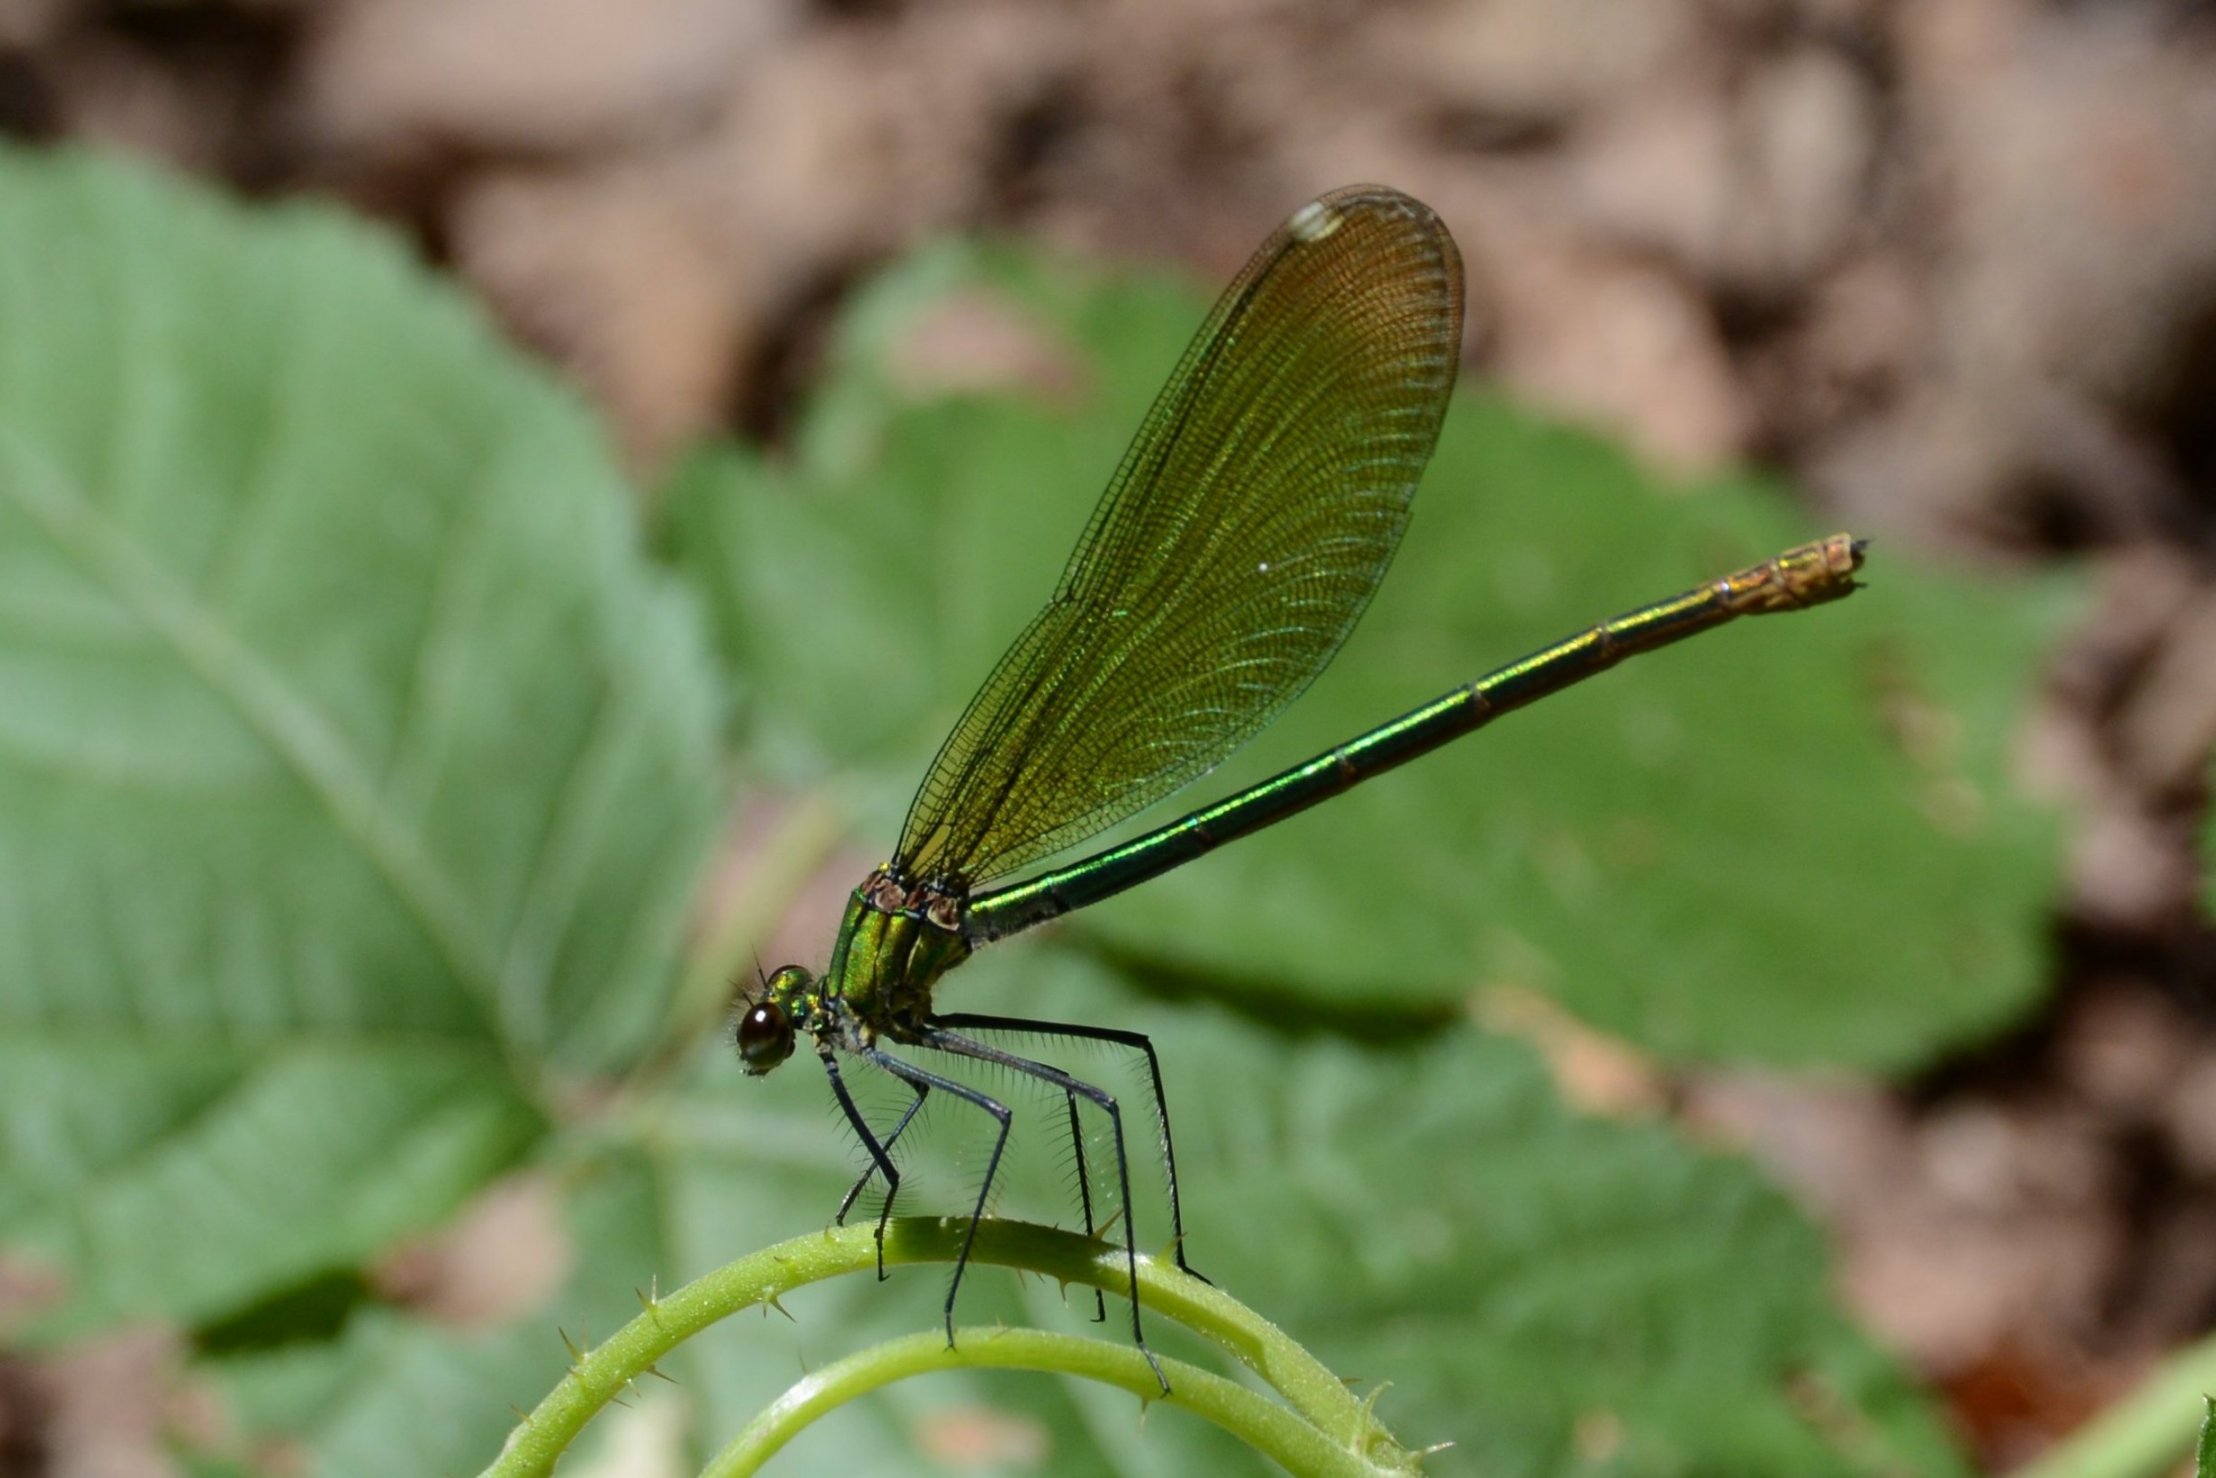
(2147, 1433)
(1315, 1397)
(1255, 1419)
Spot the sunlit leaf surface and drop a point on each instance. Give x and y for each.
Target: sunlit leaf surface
(352, 769)
(1797, 841)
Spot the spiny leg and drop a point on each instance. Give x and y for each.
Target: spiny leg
(1077, 1148)
(1120, 1038)
(869, 1173)
(1083, 1172)
(920, 1078)
(880, 1155)
(1084, 1193)
(936, 1035)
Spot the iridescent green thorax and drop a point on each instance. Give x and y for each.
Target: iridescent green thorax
(897, 939)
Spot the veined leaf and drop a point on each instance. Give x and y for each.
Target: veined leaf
(1797, 840)
(352, 768)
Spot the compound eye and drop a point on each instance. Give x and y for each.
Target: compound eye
(765, 1037)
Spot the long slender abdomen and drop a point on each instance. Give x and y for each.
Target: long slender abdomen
(1803, 576)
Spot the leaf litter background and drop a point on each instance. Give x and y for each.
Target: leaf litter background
(356, 760)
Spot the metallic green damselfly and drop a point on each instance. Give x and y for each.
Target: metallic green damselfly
(1233, 551)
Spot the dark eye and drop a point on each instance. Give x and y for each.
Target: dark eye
(765, 1037)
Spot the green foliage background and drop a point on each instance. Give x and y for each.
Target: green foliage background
(359, 758)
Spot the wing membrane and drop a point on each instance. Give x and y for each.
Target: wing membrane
(1234, 549)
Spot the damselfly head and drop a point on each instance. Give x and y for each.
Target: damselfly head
(767, 1022)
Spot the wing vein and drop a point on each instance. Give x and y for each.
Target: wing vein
(1234, 548)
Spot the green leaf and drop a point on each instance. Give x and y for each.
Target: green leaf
(1548, 1292)
(2204, 1451)
(1551, 1294)
(1543, 1290)
(397, 1393)
(352, 767)
(711, 1176)
(1796, 841)
(352, 775)
(1697, 850)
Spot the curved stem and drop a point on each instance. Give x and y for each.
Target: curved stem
(2147, 1433)
(1256, 1420)
(1313, 1394)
